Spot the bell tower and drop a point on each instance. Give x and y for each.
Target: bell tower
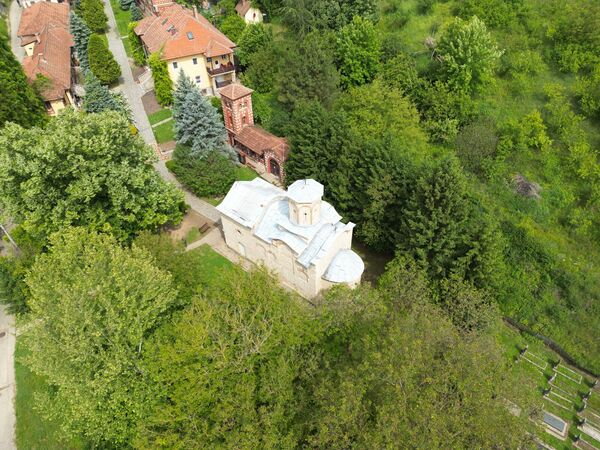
(236, 101)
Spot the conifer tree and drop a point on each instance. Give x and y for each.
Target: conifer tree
(81, 36)
(163, 85)
(102, 62)
(126, 4)
(136, 12)
(98, 98)
(19, 103)
(197, 122)
(93, 13)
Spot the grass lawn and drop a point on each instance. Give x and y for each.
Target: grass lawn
(33, 432)
(123, 18)
(244, 173)
(192, 236)
(164, 132)
(204, 266)
(160, 115)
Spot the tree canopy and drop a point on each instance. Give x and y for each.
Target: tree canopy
(102, 62)
(84, 169)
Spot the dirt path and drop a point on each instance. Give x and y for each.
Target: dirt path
(7, 381)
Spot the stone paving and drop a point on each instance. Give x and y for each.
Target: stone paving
(7, 381)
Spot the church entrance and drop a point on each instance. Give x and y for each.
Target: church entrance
(274, 167)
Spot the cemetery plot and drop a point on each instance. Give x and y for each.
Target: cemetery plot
(555, 425)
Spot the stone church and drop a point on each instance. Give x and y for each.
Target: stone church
(256, 147)
(294, 233)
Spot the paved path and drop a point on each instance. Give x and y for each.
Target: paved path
(128, 86)
(133, 93)
(7, 381)
(14, 19)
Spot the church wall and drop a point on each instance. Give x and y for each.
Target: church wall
(277, 257)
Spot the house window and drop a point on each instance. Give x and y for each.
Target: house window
(208, 59)
(224, 57)
(198, 79)
(244, 120)
(190, 35)
(174, 65)
(195, 61)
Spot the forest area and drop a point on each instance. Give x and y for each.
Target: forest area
(460, 136)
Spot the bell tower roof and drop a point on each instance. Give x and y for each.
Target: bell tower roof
(235, 91)
(305, 191)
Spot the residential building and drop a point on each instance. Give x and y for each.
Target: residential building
(247, 12)
(28, 3)
(294, 233)
(44, 34)
(256, 147)
(187, 41)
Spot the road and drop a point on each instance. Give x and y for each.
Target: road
(14, 19)
(133, 93)
(7, 381)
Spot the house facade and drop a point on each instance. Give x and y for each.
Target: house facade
(187, 41)
(45, 37)
(294, 233)
(256, 147)
(250, 14)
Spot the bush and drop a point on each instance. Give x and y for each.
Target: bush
(476, 145)
(163, 86)
(233, 27)
(209, 176)
(588, 92)
(137, 51)
(92, 12)
(102, 63)
(136, 12)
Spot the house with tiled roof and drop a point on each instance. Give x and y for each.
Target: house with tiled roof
(294, 233)
(187, 41)
(249, 13)
(44, 34)
(256, 147)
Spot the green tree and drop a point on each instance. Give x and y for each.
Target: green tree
(443, 229)
(358, 51)
(261, 74)
(227, 373)
(19, 103)
(253, 39)
(81, 37)
(233, 26)
(197, 123)
(98, 98)
(126, 4)
(102, 62)
(137, 49)
(92, 12)
(136, 12)
(94, 306)
(84, 169)
(308, 72)
(469, 54)
(588, 91)
(163, 85)
(209, 176)
(401, 72)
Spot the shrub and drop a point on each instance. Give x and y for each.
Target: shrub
(233, 27)
(93, 14)
(209, 176)
(137, 51)
(163, 86)
(102, 63)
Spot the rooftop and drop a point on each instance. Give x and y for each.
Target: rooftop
(182, 32)
(242, 7)
(305, 191)
(264, 209)
(39, 15)
(259, 140)
(235, 91)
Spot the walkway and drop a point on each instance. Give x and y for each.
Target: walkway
(14, 19)
(134, 93)
(7, 381)
(127, 85)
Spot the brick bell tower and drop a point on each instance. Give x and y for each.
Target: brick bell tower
(236, 101)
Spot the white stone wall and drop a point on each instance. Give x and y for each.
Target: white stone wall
(253, 15)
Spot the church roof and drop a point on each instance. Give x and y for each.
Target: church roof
(264, 209)
(345, 267)
(305, 191)
(235, 91)
(259, 141)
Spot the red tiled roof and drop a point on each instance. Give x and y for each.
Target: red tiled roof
(242, 7)
(51, 58)
(180, 32)
(234, 91)
(259, 141)
(47, 24)
(35, 18)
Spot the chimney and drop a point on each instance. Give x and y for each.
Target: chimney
(195, 12)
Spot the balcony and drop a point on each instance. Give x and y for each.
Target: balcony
(224, 68)
(223, 83)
